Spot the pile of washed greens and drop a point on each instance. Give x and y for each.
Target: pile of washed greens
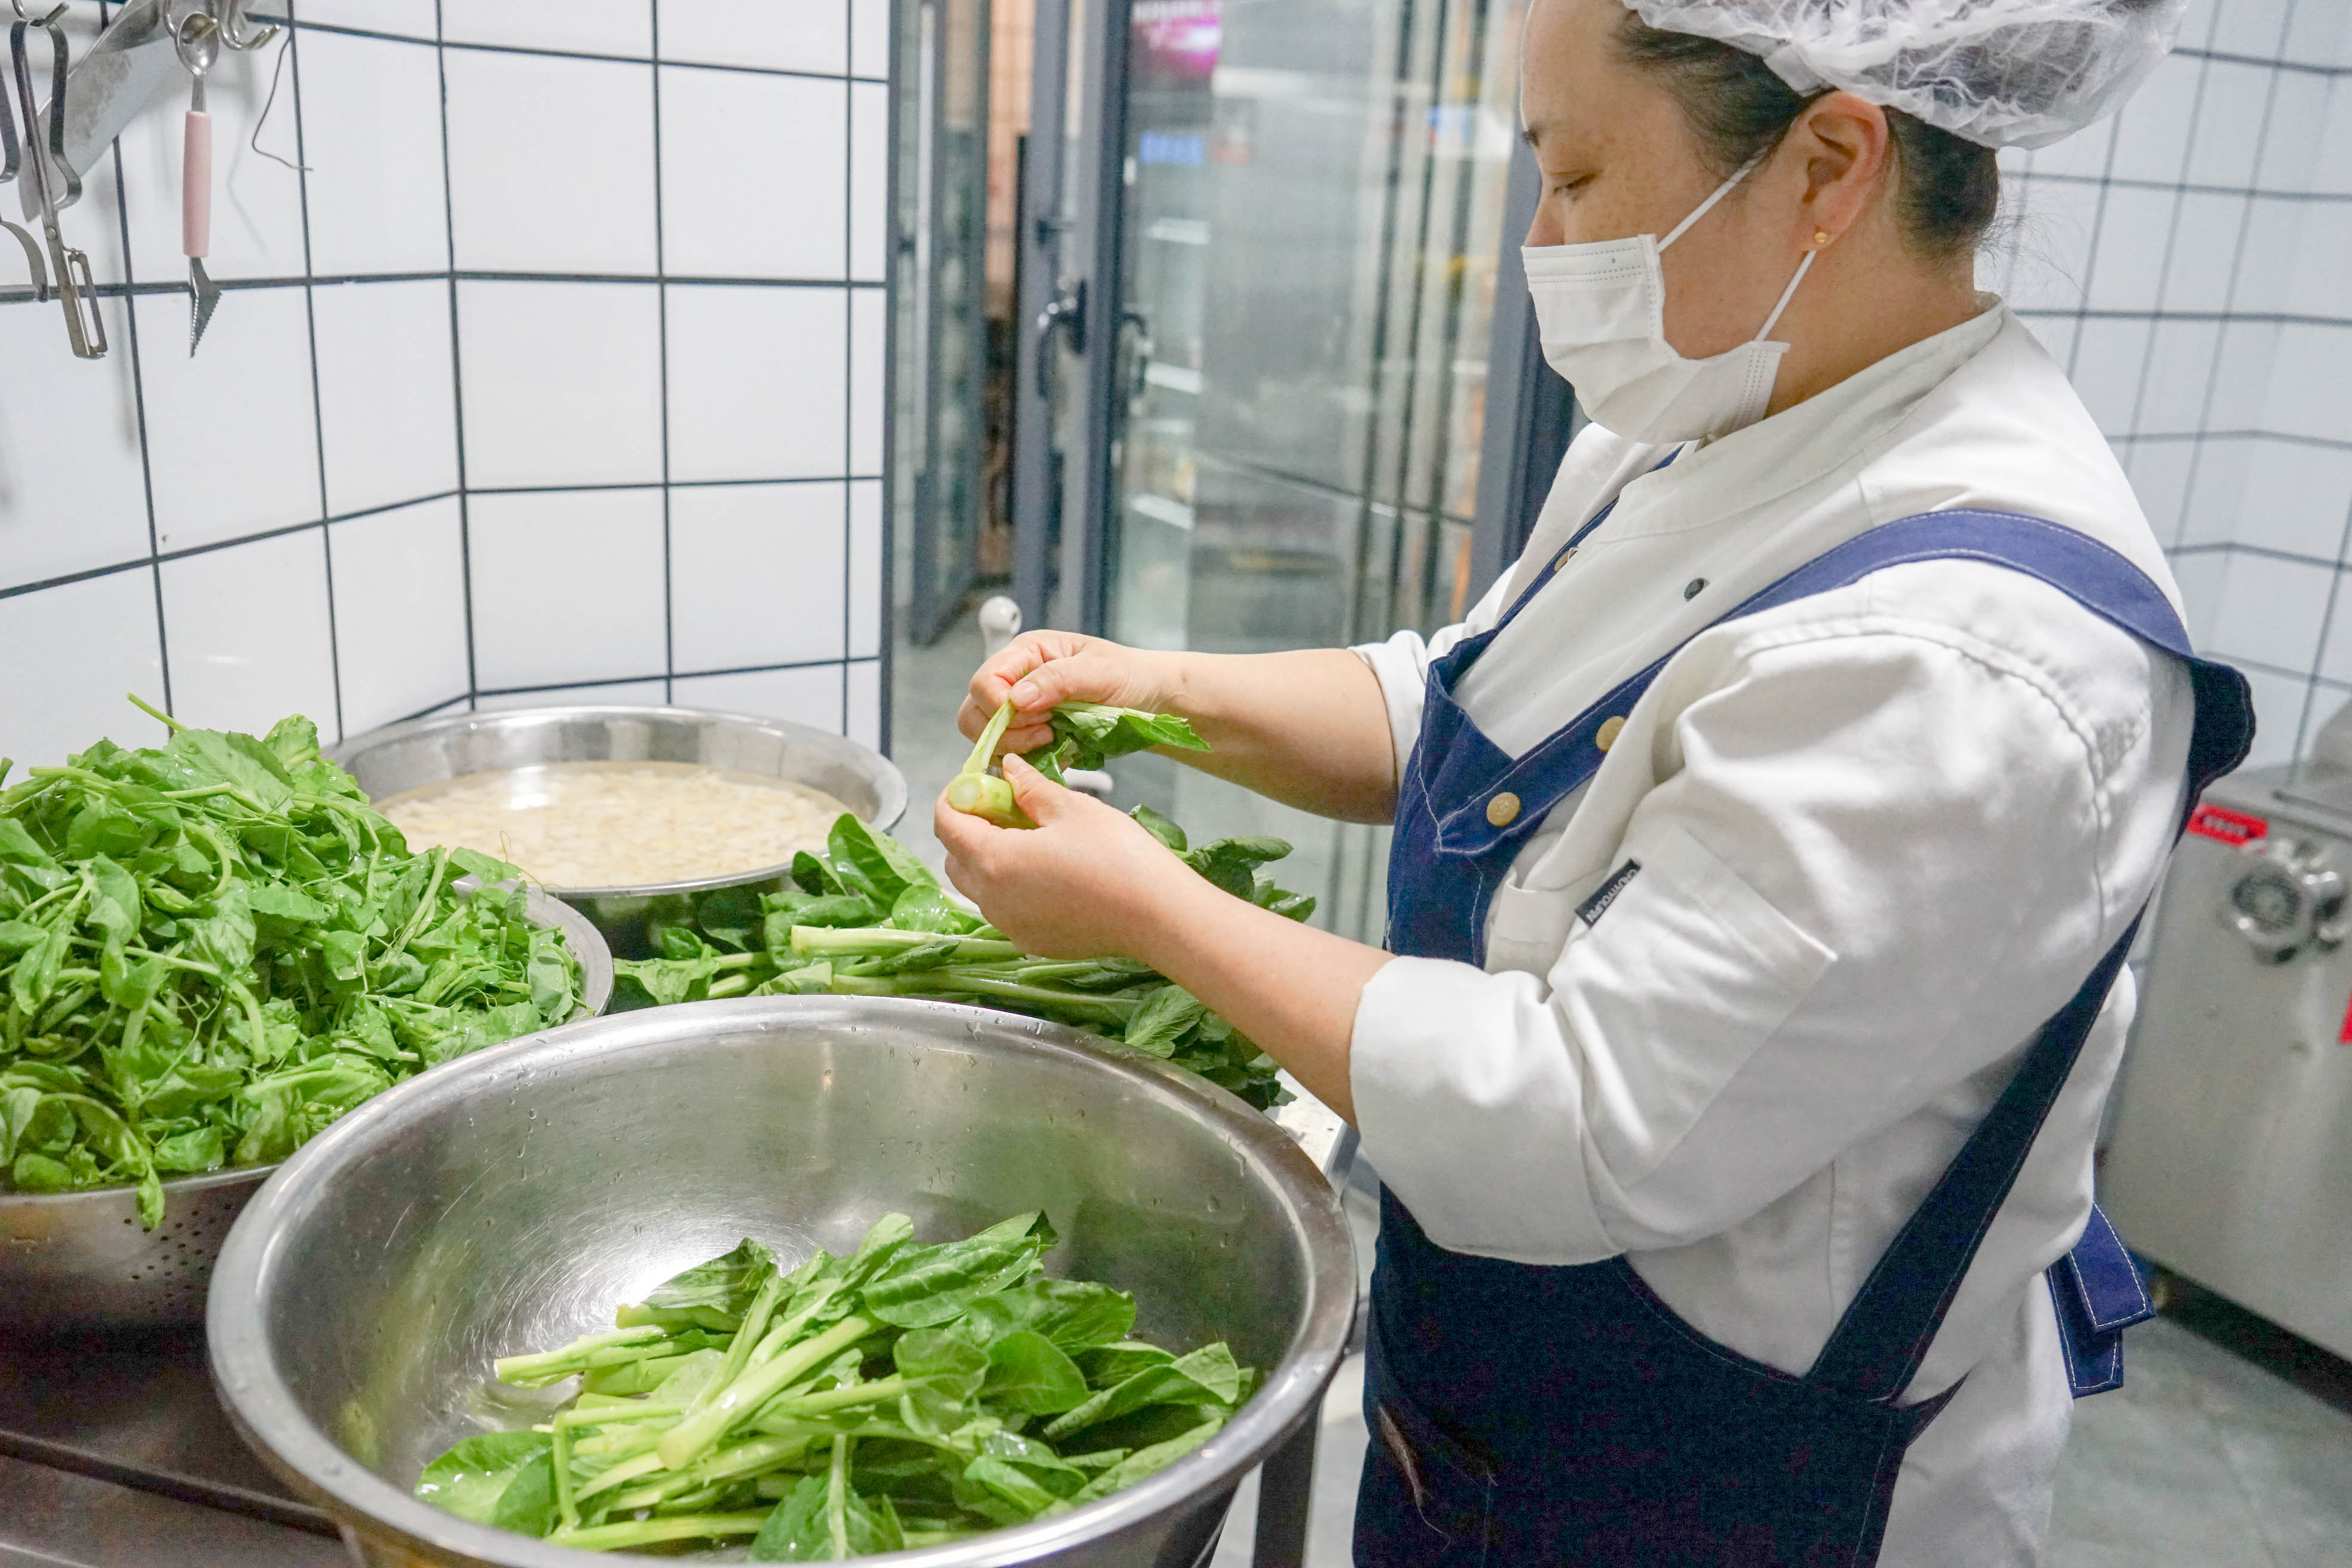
(868, 918)
(211, 948)
(903, 1395)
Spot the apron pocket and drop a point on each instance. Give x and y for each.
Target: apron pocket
(1422, 1501)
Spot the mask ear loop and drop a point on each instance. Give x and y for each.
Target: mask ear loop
(1721, 191)
(1787, 294)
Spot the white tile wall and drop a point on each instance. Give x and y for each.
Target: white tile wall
(562, 381)
(453, 438)
(2193, 268)
(755, 174)
(567, 586)
(256, 634)
(387, 401)
(756, 574)
(400, 611)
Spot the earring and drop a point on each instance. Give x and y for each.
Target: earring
(1820, 237)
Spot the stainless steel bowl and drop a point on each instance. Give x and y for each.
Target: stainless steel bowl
(428, 751)
(512, 1199)
(78, 1263)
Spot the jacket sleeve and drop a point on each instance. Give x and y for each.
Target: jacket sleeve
(1401, 665)
(1856, 844)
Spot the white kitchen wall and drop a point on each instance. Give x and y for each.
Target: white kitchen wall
(2191, 262)
(555, 375)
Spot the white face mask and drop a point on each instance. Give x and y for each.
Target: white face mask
(1600, 316)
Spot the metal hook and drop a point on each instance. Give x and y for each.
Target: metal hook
(230, 15)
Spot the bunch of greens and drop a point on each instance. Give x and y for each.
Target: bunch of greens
(212, 950)
(1084, 735)
(868, 918)
(903, 1395)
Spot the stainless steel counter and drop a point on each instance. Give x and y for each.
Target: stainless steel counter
(111, 1459)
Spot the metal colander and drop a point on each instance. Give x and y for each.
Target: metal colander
(78, 1263)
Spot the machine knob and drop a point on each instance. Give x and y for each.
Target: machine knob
(2287, 897)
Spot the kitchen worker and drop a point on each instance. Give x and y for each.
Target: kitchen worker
(1767, 841)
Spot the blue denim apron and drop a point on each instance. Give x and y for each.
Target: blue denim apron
(1526, 1415)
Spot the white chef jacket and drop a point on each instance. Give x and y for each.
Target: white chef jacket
(1883, 834)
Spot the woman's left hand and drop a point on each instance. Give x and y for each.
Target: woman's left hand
(1082, 883)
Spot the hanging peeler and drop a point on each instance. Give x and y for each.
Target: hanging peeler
(197, 37)
(50, 182)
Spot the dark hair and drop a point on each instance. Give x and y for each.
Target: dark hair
(1949, 188)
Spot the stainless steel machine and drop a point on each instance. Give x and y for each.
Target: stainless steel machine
(2232, 1158)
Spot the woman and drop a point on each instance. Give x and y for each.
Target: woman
(1768, 842)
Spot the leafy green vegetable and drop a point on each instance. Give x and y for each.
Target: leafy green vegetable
(211, 950)
(904, 935)
(849, 1407)
(1087, 735)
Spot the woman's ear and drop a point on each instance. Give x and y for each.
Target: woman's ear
(1845, 145)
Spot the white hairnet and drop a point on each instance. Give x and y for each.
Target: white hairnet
(2005, 73)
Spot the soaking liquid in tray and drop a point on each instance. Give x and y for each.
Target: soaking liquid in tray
(618, 824)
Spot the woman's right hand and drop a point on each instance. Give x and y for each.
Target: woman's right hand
(1038, 670)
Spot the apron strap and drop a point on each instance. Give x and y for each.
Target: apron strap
(1885, 1333)
(2077, 565)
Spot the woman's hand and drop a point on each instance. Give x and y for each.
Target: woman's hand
(1038, 670)
(1082, 883)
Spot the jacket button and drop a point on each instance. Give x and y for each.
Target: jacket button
(1504, 809)
(1606, 736)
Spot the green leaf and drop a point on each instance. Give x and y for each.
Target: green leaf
(948, 1357)
(874, 865)
(929, 908)
(1163, 1018)
(293, 740)
(1148, 1461)
(813, 876)
(796, 1531)
(226, 935)
(286, 909)
(717, 1294)
(1159, 827)
(1074, 1314)
(1207, 1376)
(926, 1285)
(197, 1149)
(501, 1479)
(1030, 1373)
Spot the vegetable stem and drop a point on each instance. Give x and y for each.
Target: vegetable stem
(698, 1434)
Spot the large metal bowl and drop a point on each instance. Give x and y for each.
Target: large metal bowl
(78, 1263)
(511, 1200)
(428, 751)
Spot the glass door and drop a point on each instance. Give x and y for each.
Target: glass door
(1261, 242)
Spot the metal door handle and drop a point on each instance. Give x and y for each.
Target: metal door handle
(1068, 314)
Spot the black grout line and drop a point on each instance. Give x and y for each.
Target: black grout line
(318, 403)
(2027, 177)
(139, 404)
(16, 295)
(2302, 68)
(849, 360)
(681, 674)
(658, 484)
(661, 323)
(457, 372)
(547, 53)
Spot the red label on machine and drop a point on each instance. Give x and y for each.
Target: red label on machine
(2344, 1034)
(2229, 827)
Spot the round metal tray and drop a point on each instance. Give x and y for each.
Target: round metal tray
(79, 1263)
(428, 751)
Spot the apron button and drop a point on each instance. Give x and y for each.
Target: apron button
(1504, 809)
(1564, 557)
(1606, 736)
